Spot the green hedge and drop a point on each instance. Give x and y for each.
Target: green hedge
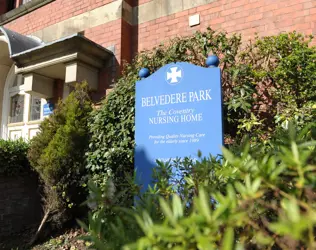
(13, 160)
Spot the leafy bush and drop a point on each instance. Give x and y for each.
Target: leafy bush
(266, 84)
(13, 160)
(57, 154)
(260, 197)
(281, 83)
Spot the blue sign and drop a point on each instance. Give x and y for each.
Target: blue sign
(48, 109)
(178, 113)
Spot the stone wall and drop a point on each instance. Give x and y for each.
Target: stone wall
(20, 209)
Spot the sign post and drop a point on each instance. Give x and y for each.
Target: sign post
(178, 113)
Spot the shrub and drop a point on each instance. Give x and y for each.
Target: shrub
(266, 84)
(57, 154)
(13, 160)
(282, 83)
(249, 201)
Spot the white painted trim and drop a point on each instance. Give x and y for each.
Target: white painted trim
(6, 103)
(62, 59)
(32, 68)
(26, 125)
(3, 39)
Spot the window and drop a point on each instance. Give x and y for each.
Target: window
(22, 111)
(17, 109)
(11, 4)
(35, 112)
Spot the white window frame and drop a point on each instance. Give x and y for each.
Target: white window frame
(30, 109)
(27, 128)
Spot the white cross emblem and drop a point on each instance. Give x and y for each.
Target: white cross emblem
(175, 73)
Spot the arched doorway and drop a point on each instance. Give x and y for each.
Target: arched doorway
(47, 69)
(5, 66)
(21, 112)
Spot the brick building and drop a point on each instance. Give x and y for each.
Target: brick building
(46, 44)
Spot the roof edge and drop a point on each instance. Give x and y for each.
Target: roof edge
(73, 36)
(17, 42)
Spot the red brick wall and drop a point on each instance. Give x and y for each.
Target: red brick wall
(52, 13)
(58, 91)
(265, 17)
(117, 33)
(109, 34)
(126, 42)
